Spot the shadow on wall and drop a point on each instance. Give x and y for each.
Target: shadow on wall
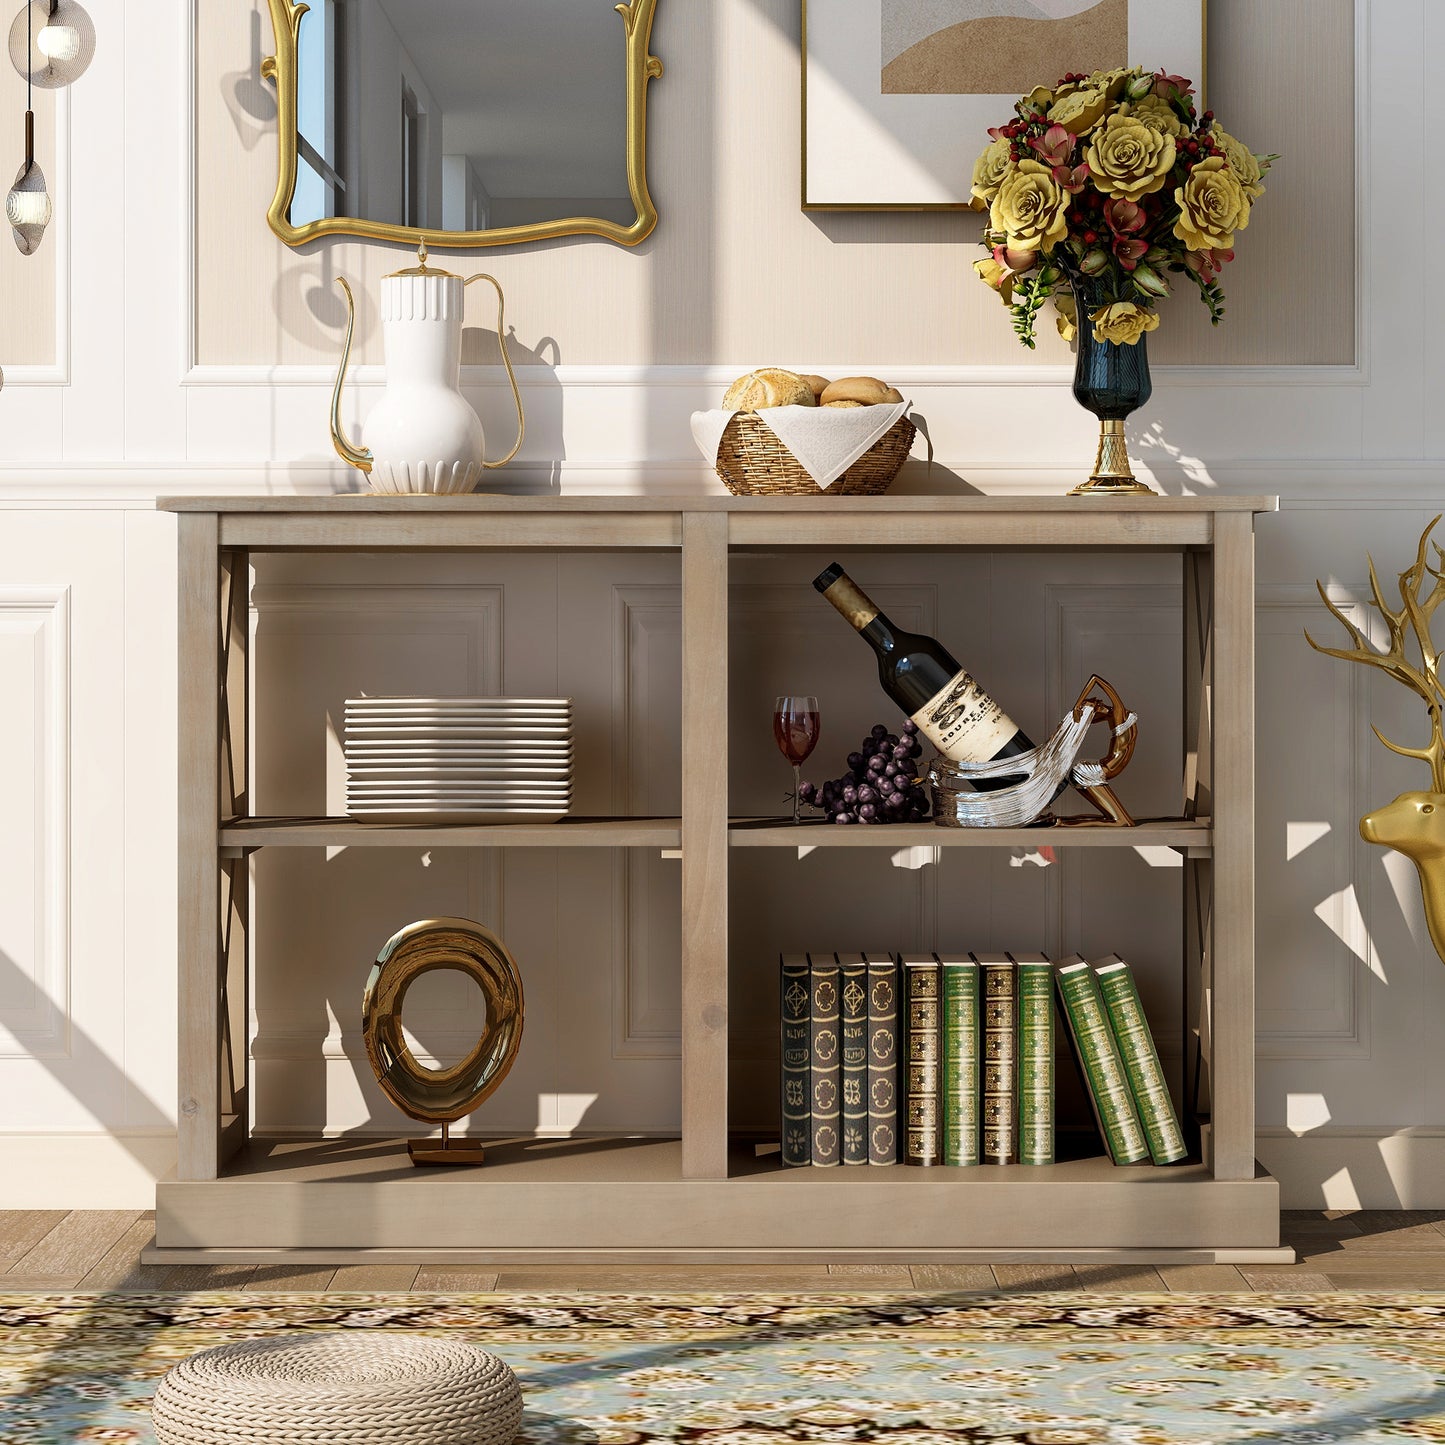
(250, 101)
(538, 467)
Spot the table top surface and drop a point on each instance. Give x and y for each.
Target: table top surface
(367, 503)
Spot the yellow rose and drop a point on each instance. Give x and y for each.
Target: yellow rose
(1122, 322)
(1068, 318)
(1040, 96)
(1212, 207)
(1079, 111)
(1154, 111)
(1129, 158)
(1030, 208)
(996, 277)
(988, 170)
(1241, 161)
(1112, 82)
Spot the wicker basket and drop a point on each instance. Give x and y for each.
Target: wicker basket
(752, 462)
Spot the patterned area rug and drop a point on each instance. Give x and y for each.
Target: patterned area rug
(834, 1369)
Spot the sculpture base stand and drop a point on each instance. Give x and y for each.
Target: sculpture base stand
(448, 1151)
(1112, 475)
(1107, 801)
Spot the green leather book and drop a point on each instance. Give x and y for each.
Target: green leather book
(998, 1093)
(825, 1063)
(1141, 1061)
(958, 1081)
(922, 1142)
(797, 1117)
(853, 980)
(1035, 980)
(1105, 1081)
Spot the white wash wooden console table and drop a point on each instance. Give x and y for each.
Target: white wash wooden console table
(695, 1198)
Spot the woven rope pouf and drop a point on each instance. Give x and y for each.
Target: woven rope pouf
(358, 1388)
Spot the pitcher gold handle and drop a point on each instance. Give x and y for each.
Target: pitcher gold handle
(354, 456)
(507, 362)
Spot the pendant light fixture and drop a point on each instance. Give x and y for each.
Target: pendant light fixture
(52, 43)
(28, 207)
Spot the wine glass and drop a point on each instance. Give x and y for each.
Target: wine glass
(796, 726)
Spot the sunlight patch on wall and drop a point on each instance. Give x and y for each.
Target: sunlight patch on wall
(1299, 836)
(1303, 1112)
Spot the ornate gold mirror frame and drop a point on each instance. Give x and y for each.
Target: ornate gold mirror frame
(641, 67)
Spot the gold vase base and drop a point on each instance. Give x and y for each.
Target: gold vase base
(1112, 475)
(445, 1150)
(1113, 487)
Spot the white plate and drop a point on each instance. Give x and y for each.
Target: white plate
(467, 795)
(457, 815)
(547, 702)
(419, 769)
(406, 732)
(459, 714)
(551, 753)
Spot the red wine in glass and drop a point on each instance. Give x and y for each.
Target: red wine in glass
(796, 726)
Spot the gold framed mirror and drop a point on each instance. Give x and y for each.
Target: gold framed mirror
(464, 123)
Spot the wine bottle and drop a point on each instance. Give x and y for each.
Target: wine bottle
(952, 711)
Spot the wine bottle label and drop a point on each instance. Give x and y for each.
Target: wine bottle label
(853, 604)
(964, 723)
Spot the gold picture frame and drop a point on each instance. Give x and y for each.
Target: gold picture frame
(809, 203)
(642, 67)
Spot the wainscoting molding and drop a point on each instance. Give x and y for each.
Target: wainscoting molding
(37, 762)
(1328, 1016)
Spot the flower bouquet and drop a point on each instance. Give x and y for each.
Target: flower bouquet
(1102, 194)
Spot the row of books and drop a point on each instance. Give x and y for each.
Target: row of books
(932, 1059)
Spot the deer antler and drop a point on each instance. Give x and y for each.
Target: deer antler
(1417, 611)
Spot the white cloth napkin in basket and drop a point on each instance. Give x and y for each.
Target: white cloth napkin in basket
(825, 440)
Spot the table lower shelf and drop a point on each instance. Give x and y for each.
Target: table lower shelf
(615, 1198)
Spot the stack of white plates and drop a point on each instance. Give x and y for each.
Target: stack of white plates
(455, 759)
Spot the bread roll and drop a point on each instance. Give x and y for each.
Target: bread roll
(819, 384)
(841, 405)
(866, 390)
(769, 386)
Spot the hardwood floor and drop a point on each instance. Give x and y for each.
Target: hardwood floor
(1367, 1249)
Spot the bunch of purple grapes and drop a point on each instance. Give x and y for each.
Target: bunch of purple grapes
(880, 785)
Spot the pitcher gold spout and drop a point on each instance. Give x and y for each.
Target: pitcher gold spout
(358, 457)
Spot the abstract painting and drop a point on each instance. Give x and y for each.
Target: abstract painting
(898, 95)
(975, 47)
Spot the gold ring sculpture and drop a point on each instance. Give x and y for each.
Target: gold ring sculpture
(443, 1095)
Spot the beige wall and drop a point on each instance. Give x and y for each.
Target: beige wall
(27, 283)
(737, 273)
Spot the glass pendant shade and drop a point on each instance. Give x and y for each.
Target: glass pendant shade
(52, 42)
(28, 208)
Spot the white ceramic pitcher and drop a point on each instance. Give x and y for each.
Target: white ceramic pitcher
(423, 436)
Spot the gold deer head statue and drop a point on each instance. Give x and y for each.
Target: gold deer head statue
(1414, 824)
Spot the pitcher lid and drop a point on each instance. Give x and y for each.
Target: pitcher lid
(421, 268)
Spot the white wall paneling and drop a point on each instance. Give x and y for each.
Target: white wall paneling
(34, 797)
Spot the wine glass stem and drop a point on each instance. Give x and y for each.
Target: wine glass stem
(797, 783)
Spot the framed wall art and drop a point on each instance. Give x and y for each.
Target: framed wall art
(898, 95)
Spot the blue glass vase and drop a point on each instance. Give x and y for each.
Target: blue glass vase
(1111, 380)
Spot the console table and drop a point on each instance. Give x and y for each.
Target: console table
(696, 1197)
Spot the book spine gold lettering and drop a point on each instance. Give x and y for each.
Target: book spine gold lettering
(921, 1133)
(825, 1063)
(797, 1114)
(960, 1078)
(1103, 1069)
(853, 980)
(1141, 1063)
(1036, 1060)
(999, 1143)
(882, 1059)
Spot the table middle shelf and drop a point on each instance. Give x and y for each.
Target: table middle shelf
(1194, 835)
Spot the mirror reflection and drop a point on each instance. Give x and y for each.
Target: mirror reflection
(461, 115)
